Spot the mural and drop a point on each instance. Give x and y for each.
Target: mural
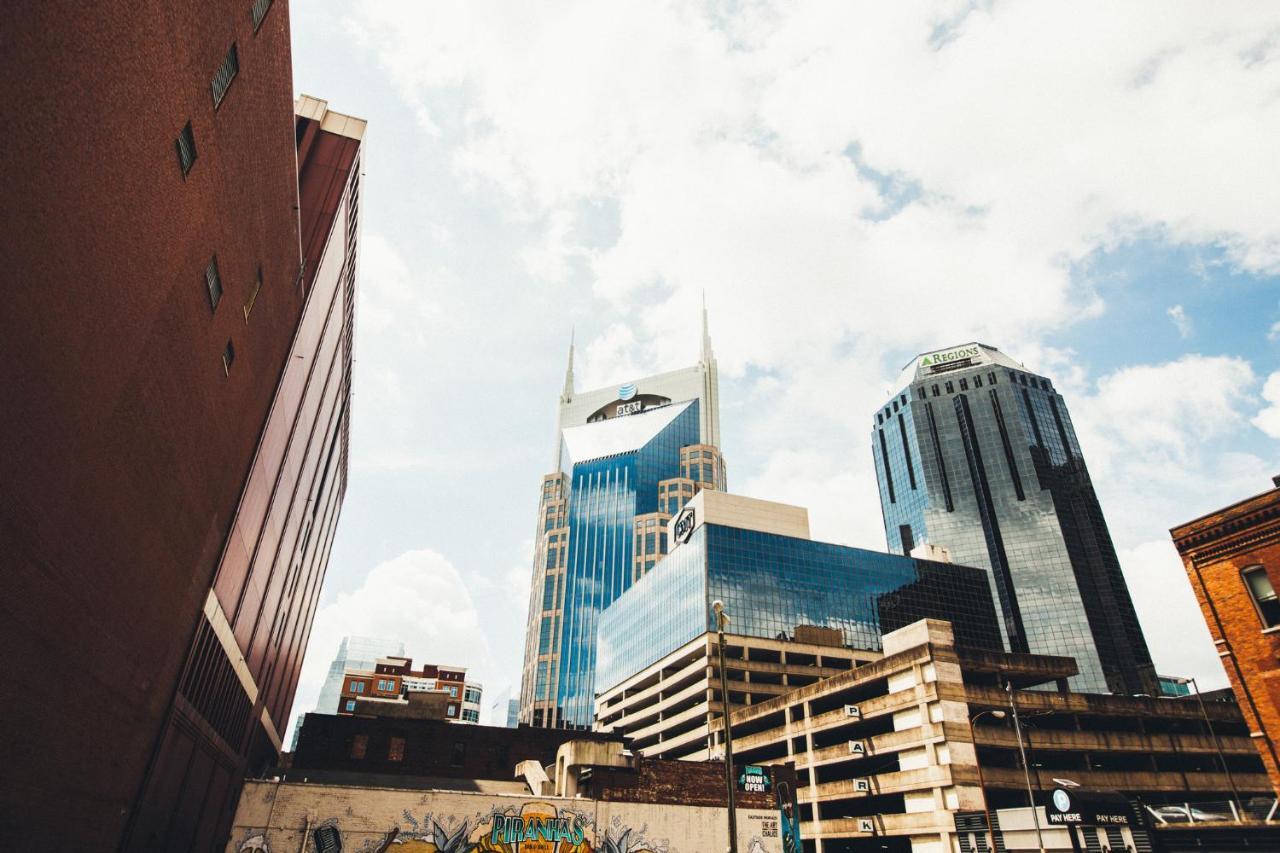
(534, 827)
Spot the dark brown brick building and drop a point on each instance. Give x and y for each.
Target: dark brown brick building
(1232, 557)
(179, 256)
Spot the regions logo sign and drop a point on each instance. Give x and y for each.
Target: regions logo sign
(935, 359)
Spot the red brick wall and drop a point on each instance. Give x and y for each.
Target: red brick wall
(1215, 550)
(123, 446)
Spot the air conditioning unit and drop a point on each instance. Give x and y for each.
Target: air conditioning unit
(862, 786)
(858, 748)
(853, 711)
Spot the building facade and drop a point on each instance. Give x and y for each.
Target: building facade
(174, 436)
(355, 654)
(672, 708)
(976, 453)
(889, 754)
(627, 460)
(756, 557)
(393, 682)
(1232, 558)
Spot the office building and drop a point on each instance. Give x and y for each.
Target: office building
(976, 453)
(1232, 558)
(908, 752)
(180, 248)
(778, 584)
(355, 654)
(627, 459)
(393, 686)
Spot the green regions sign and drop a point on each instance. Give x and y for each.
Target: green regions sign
(937, 359)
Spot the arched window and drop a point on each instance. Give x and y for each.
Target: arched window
(1263, 594)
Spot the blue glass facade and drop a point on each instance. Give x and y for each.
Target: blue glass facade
(977, 454)
(604, 497)
(771, 584)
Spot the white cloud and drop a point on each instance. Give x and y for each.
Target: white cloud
(1171, 619)
(1273, 334)
(1268, 420)
(418, 598)
(1181, 321)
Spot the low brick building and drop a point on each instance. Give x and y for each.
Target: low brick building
(1232, 558)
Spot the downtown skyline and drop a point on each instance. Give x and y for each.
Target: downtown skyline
(828, 257)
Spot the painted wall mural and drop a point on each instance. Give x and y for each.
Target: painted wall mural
(334, 819)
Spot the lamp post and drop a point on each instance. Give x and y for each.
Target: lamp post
(1237, 805)
(1026, 768)
(997, 714)
(721, 620)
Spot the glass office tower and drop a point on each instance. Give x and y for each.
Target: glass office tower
(628, 458)
(977, 454)
(771, 584)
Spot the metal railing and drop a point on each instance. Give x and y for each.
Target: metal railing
(1253, 810)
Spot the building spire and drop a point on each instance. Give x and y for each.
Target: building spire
(568, 373)
(707, 356)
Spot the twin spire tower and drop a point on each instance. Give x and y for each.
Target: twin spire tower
(627, 460)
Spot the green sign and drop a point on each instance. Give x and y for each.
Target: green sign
(754, 780)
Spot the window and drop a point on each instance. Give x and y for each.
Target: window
(902, 398)
(395, 749)
(991, 377)
(260, 8)
(228, 356)
(253, 297)
(213, 283)
(452, 710)
(359, 745)
(964, 384)
(186, 145)
(977, 382)
(453, 691)
(1264, 595)
(359, 686)
(935, 390)
(950, 388)
(352, 687)
(351, 704)
(225, 74)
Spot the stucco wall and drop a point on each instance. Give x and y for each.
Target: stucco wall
(274, 817)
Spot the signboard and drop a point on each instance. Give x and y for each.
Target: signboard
(952, 359)
(754, 779)
(630, 402)
(858, 748)
(1078, 808)
(685, 522)
(862, 786)
(866, 824)
(784, 796)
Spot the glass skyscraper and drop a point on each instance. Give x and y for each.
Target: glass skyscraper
(628, 458)
(976, 453)
(771, 584)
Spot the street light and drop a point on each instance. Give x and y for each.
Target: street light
(1026, 768)
(982, 783)
(721, 620)
(1237, 805)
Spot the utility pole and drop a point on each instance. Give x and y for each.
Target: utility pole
(721, 620)
(1026, 768)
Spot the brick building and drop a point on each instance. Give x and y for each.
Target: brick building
(393, 681)
(180, 257)
(1232, 558)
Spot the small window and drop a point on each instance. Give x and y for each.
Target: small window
(1264, 595)
(225, 74)
(950, 388)
(902, 398)
(213, 283)
(260, 8)
(453, 691)
(186, 145)
(895, 405)
(964, 384)
(395, 749)
(452, 710)
(359, 745)
(977, 382)
(991, 377)
(923, 393)
(253, 297)
(351, 704)
(228, 356)
(935, 391)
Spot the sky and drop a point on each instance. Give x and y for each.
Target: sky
(1090, 187)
